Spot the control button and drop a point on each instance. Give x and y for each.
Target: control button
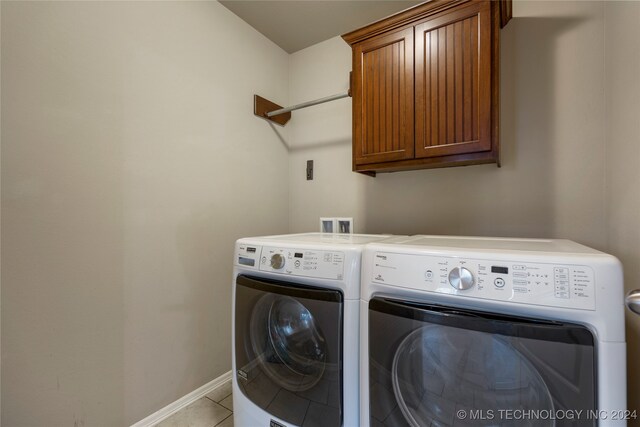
(499, 282)
(277, 261)
(461, 278)
(264, 259)
(297, 263)
(428, 274)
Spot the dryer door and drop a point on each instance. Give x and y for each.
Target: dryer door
(446, 366)
(289, 349)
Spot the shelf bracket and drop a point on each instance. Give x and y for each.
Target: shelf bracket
(268, 110)
(262, 107)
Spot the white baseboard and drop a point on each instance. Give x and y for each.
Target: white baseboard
(174, 407)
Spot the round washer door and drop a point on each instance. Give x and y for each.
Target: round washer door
(288, 350)
(438, 371)
(284, 331)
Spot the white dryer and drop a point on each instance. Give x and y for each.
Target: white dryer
(295, 329)
(491, 331)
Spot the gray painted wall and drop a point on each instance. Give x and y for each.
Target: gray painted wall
(131, 161)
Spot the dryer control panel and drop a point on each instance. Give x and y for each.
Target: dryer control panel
(295, 262)
(555, 285)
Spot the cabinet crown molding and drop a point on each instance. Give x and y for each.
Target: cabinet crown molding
(400, 19)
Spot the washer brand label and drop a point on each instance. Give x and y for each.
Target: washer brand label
(383, 257)
(274, 423)
(242, 374)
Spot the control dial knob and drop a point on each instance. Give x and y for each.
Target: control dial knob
(461, 278)
(277, 261)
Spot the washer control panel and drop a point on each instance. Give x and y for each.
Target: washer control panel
(300, 262)
(555, 285)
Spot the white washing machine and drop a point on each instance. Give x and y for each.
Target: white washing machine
(295, 329)
(491, 331)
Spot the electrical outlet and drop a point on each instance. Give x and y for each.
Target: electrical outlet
(309, 170)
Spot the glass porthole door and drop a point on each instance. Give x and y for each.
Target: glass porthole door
(290, 346)
(431, 365)
(288, 342)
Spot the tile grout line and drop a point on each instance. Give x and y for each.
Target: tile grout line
(230, 415)
(181, 404)
(220, 399)
(221, 405)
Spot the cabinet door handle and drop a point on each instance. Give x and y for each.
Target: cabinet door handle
(633, 301)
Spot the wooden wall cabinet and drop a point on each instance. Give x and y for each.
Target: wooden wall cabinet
(425, 87)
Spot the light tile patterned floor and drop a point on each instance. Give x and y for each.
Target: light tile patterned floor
(213, 410)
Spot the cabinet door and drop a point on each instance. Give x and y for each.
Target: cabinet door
(453, 82)
(383, 98)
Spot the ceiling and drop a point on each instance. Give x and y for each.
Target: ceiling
(294, 25)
